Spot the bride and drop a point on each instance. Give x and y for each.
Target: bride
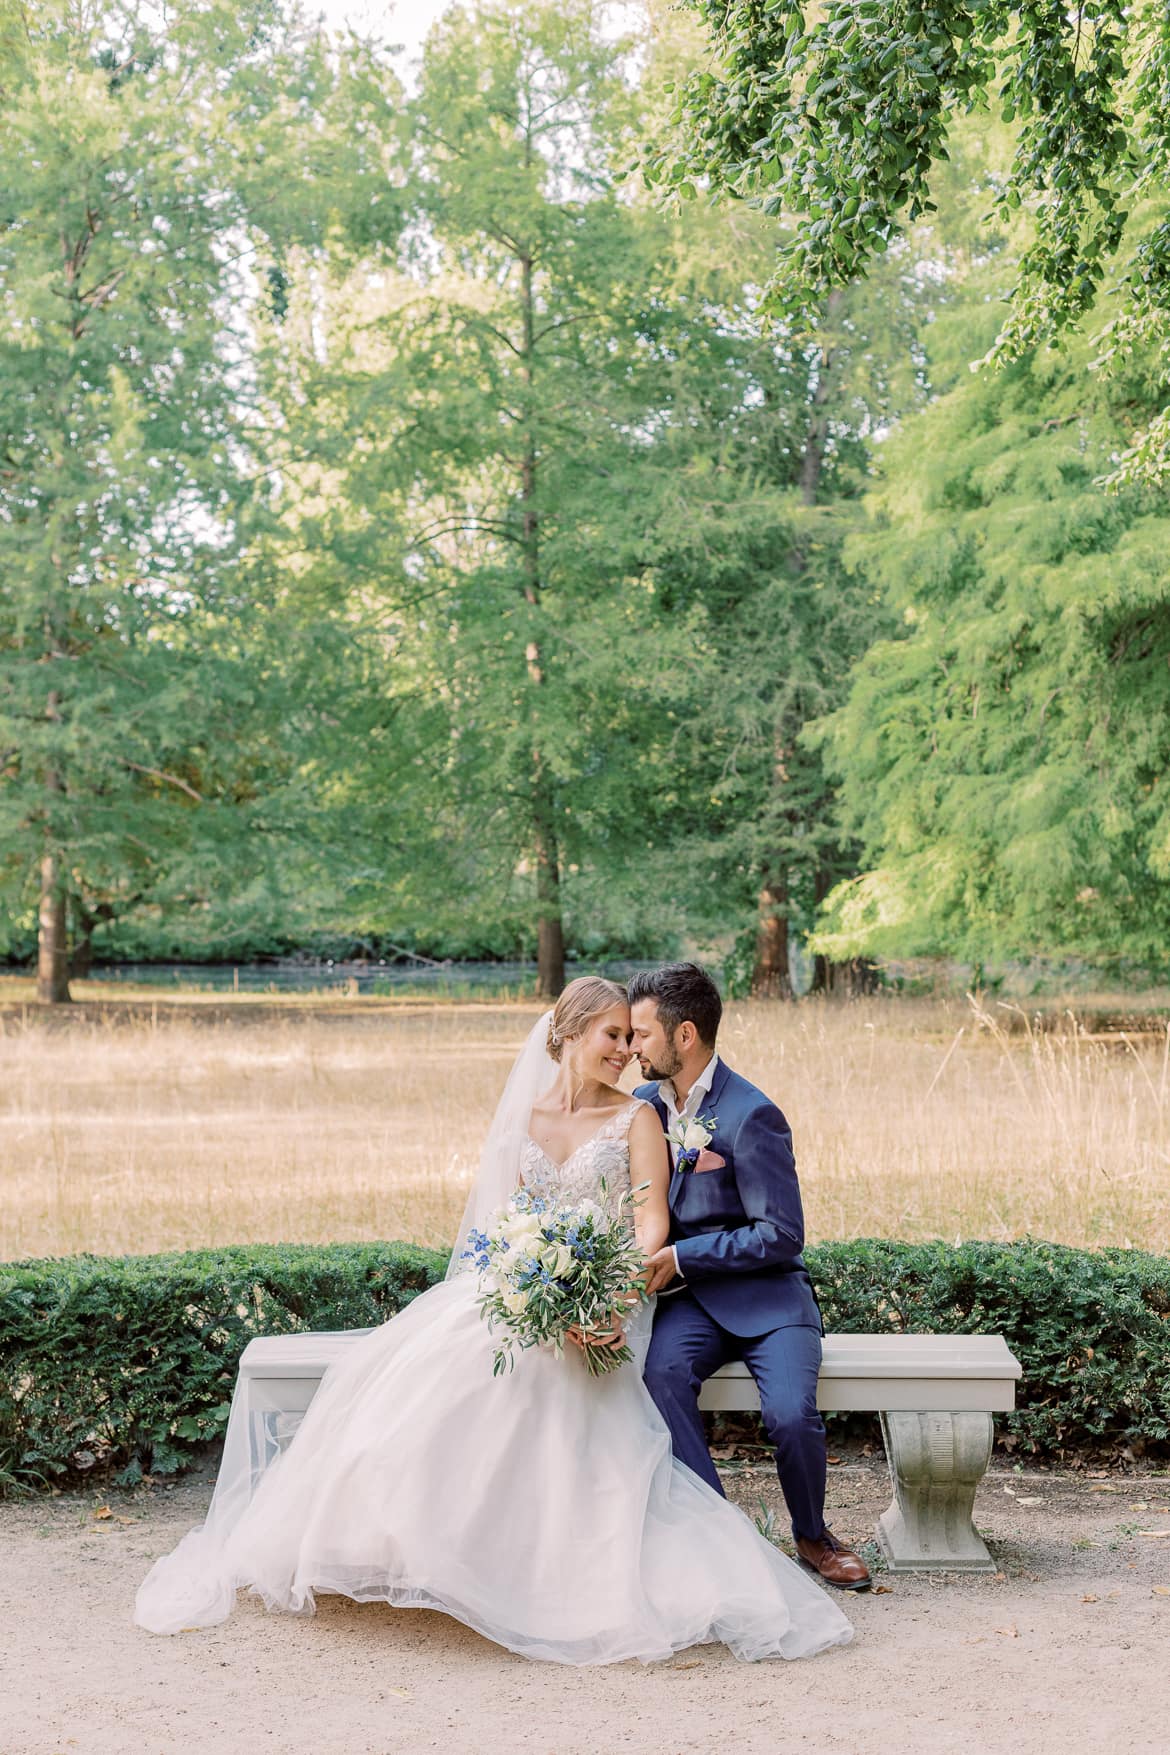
(542, 1507)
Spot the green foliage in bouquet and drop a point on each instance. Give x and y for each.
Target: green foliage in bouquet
(547, 1270)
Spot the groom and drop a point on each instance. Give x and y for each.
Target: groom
(735, 1283)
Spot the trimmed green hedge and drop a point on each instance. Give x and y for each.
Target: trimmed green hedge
(126, 1365)
(1091, 1328)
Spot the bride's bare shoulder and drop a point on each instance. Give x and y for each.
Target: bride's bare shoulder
(643, 1122)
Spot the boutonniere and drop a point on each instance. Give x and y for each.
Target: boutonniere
(689, 1138)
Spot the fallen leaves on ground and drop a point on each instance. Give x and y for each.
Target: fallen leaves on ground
(1011, 1632)
(103, 1511)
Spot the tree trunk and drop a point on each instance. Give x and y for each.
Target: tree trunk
(770, 977)
(550, 936)
(550, 932)
(822, 981)
(52, 929)
(52, 937)
(812, 463)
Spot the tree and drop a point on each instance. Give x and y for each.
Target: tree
(1003, 762)
(839, 116)
(779, 459)
(146, 167)
(624, 451)
(507, 413)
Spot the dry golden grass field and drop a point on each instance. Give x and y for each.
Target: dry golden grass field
(131, 1124)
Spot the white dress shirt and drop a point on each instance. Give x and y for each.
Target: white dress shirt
(689, 1110)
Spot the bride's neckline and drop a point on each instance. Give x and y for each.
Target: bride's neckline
(588, 1141)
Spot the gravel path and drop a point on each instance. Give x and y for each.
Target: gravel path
(1066, 1649)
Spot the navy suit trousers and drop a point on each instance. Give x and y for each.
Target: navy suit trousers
(688, 1346)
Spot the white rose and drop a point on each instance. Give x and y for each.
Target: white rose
(515, 1302)
(695, 1136)
(524, 1225)
(563, 1265)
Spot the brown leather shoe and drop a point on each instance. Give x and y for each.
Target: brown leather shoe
(833, 1561)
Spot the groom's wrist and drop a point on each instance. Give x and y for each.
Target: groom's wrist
(688, 1257)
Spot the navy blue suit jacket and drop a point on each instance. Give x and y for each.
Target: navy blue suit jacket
(739, 1231)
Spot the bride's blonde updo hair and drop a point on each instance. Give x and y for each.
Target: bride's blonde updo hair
(581, 1002)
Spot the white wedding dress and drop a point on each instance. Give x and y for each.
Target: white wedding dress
(542, 1507)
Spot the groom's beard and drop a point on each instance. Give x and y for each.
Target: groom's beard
(670, 1064)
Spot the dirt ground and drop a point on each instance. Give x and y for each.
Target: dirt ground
(1066, 1648)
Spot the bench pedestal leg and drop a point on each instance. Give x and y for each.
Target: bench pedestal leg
(936, 1463)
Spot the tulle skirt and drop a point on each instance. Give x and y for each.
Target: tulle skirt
(542, 1507)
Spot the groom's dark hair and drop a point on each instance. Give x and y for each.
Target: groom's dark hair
(680, 991)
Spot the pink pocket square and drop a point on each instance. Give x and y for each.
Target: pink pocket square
(709, 1161)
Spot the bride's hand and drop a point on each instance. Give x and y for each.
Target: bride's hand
(613, 1336)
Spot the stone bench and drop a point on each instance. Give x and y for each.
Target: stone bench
(936, 1395)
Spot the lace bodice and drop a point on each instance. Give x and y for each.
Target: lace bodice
(603, 1157)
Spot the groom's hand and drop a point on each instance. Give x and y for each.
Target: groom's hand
(659, 1270)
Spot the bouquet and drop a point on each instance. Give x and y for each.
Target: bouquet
(546, 1268)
